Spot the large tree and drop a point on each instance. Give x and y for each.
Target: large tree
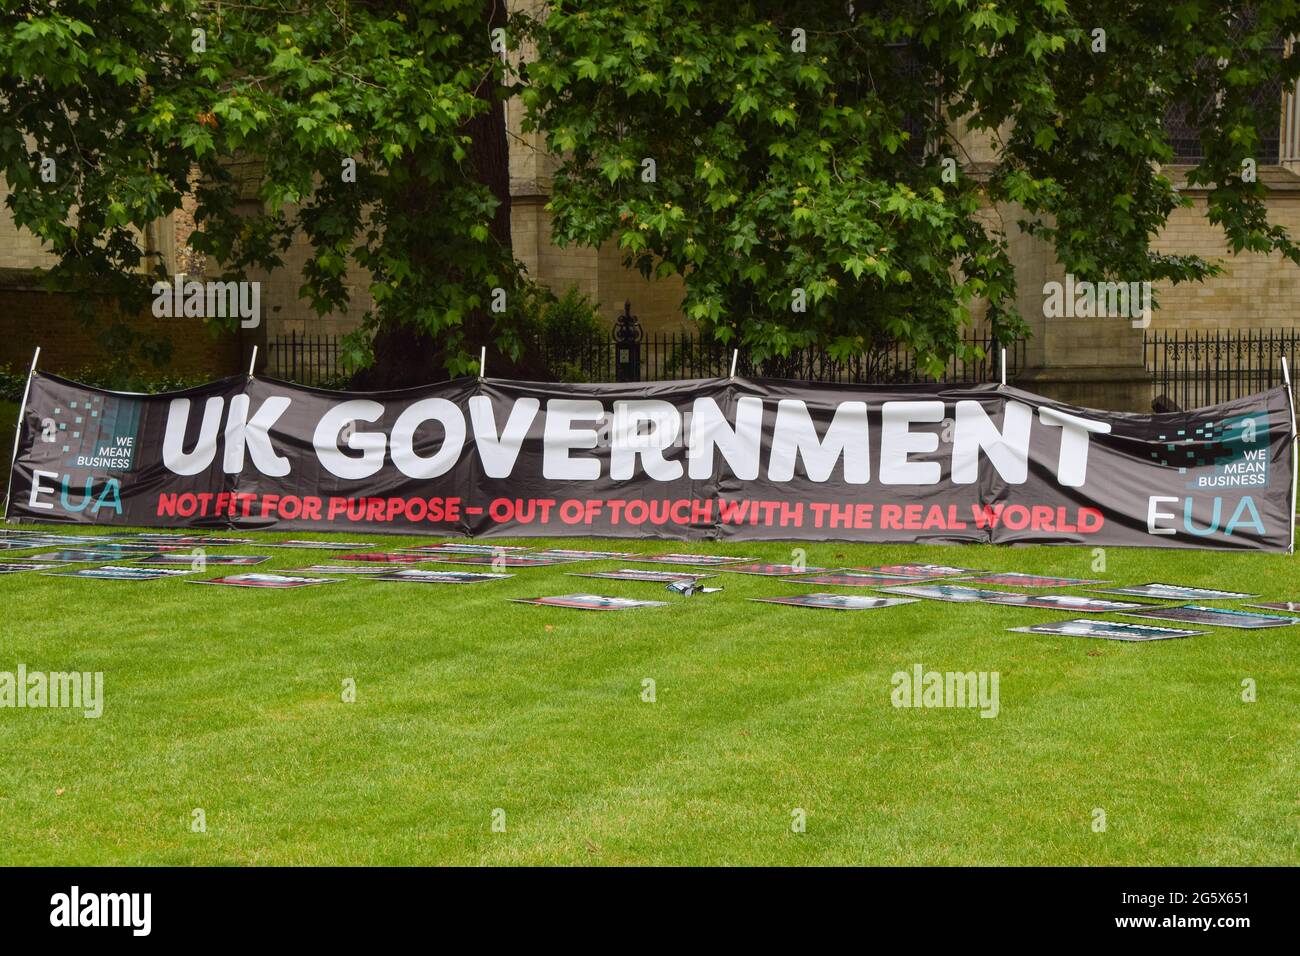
(800, 155)
(804, 153)
(138, 103)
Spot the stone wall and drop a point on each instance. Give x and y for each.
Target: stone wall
(31, 317)
(1254, 291)
(19, 249)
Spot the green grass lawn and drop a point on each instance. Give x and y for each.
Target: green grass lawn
(230, 700)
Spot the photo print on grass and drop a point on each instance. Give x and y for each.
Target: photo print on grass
(691, 560)
(319, 545)
(770, 570)
(1172, 592)
(126, 548)
(919, 570)
(851, 578)
(634, 574)
(455, 547)
(497, 560)
(1022, 580)
(58, 540)
(1106, 630)
(170, 558)
(340, 569)
(158, 541)
(576, 555)
(20, 544)
(425, 576)
(1066, 602)
(1215, 616)
(274, 581)
(114, 572)
(590, 602)
(75, 556)
(383, 557)
(836, 602)
(947, 592)
(13, 567)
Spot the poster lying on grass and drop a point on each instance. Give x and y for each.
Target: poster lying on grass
(836, 602)
(319, 545)
(705, 459)
(188, 557)
(1108, 630)
(418, 576)
(1216, 616)
(275, 581)
(449, 547)
(163, 542)
(75, 556)
(577, 555)
(341, 569)
(949, 592)
(769, 570)
(113, 572)
(918, 570)
(1175, 592)
(590, 602)
(849, 578)
(1066, 602)
(1022, 580)
(633, 574)
(691, 560)
(496, 560)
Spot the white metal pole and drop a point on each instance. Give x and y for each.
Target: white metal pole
(1004, 368)
(482, 362)
(735, 355)
(1295, 465)
(18, 430)
(252, 362)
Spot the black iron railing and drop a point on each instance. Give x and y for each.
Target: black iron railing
(677, 355)
(306, 359)
(1196, 368)
(315, 360)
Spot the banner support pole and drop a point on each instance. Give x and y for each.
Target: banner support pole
(1295, 476)
(18, 430)
(482, 362)
(252, 362)
(1004, 368)
(735, 355)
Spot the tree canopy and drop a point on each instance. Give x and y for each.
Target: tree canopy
(797, 164)
(807, 153)
(137, 104)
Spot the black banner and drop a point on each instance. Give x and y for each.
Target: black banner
(734, 459)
